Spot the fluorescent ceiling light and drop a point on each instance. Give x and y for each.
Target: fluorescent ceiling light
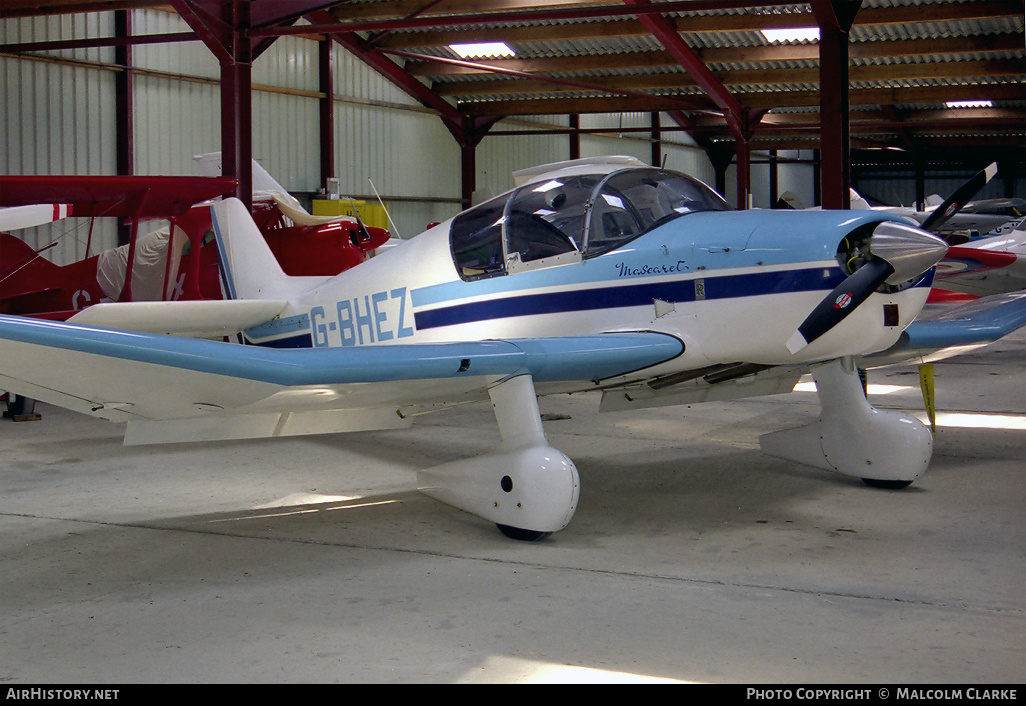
(482, 49)
(791, 34)
(970, 104)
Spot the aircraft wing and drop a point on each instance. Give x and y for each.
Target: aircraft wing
(953, 331)
(182, 389)
(136, 196)
(18, 217)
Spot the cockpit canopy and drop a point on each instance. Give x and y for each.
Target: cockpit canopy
(571, 217)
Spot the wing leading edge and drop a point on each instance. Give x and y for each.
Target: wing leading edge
(957, 330)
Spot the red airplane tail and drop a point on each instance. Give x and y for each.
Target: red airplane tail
(30, 283)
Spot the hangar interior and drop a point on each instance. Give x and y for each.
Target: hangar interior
(693, 557)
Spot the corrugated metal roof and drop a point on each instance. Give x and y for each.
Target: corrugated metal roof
(906, 57)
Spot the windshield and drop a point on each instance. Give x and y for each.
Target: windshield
(548, 219)
(634, 201)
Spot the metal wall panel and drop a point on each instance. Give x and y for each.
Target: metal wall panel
(630, 144)
(800, 178)
(500, 155)
(179, 58)
(397, 153)
(290, 62)
(286, 138)
(355, 79)
(56, 120)
(689, 160)
(73, 26)
(174, 120)
(602, 145)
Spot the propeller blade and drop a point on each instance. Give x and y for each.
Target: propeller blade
(843, 300)
(954, 203)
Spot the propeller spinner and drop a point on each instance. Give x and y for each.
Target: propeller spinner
(895, 253)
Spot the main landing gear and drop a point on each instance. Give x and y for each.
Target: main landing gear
(527, 488)
(886, 449)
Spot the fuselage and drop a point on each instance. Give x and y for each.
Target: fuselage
(732, 285)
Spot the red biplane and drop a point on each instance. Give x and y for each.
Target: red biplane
(177, 262)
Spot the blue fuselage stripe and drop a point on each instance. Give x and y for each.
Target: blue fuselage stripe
(622, 296)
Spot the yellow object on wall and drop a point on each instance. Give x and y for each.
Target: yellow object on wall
(372, 214)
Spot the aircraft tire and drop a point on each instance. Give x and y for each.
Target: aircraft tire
(523, 535)
(887, 484)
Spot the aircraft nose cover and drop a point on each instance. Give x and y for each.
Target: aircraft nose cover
(909, 250)
(899, 253)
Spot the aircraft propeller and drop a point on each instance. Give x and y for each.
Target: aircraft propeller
(962, 195)
(894, 253)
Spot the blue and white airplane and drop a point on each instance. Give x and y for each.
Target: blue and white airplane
(591, 275)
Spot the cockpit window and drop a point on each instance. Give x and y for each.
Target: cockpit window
(544, 220)
(477, 241)
(631, 202)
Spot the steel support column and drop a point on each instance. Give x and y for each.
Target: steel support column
(743, 152)
(657, 141)
(835, 19)
(123, 91)
(575, 136)
(237, 102)
(471, 132)
(468, 172)
(327, 109)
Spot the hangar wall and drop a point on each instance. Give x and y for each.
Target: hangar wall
(56, 115)
(59, 118)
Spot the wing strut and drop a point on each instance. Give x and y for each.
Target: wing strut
(137, 201)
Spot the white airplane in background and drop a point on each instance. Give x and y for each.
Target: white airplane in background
(602, 275)
(956, 218)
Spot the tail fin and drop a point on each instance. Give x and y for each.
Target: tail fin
(857, 201)
(24, 271)
(249, 269)
(263, 183)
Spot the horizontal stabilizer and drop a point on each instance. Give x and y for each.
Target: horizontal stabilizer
(196, 319)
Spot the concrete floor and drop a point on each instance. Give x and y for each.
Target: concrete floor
(692, 556)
